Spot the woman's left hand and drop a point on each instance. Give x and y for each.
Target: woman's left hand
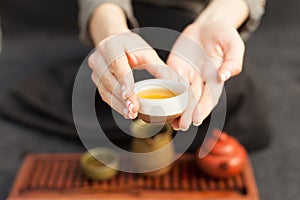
(225, 49)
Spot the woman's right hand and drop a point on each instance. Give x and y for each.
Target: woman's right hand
(118, 51)
(112, 63)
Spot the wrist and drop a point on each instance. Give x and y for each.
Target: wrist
(103, 25)
(233, 12)
(114, 31)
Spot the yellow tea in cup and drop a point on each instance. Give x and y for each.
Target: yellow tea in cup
(161, 101)
(156, 93)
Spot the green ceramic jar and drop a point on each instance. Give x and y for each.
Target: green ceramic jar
(100, 163)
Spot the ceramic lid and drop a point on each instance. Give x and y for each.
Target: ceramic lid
(225, 144)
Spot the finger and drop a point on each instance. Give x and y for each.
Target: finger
(196, 119)
(233, 58)
(95, 79)
(111, 99)
(118, 105)
(97, 63)
(107, 96)
(161, 72)
(204, 107)
(115, 103)
(102, 73)
(123, 74)
(179, 65)
(186, 118)
(197, 89)
(150, 61)
(175, 124)
(113, 51)
(194, 78)
(109, 81)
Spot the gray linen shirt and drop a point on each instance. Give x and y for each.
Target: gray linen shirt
(87, 7)
(0, 38)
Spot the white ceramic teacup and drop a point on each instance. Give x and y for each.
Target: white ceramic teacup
(164, 110)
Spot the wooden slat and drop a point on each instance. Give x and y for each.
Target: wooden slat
(230, 183)
(140, 181)
(239, 182)
(221, 184)
(130, 180)
(176, 177)
(38, 168)
(71, 174)
(166, 182)
(157, 184)
(61, 182)
(194, 182)
(212, 184)
(202, 183)
(45, 175)
(52, 182)
(148, 182)
(77, 176)
(184, 176)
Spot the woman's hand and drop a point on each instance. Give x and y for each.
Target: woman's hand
(223, 46)
(112, 64)
(118, 51)
(215, 31)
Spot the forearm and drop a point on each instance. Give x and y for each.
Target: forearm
(234, 12)
(107, 19)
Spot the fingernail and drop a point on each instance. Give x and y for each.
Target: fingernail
(176, 129)
(130, 115)
(185, 129)
(129, 105)
(225, 75)
(228, 74)
(123, 87)
(135, 115)
(197, 123)
(125, 111)
(123, 91)
(197, 118)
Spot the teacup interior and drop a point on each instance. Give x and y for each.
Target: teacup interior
(156, 90)
(156, 93)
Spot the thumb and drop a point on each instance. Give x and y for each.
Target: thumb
(233, 59)
(155, 66)
(229, 69)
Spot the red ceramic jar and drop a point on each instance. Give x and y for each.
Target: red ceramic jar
(226, 158)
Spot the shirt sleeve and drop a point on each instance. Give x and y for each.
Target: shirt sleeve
(86, 9)
(257, 10)
(0, 38)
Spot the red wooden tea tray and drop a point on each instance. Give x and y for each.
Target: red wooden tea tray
(59, 176)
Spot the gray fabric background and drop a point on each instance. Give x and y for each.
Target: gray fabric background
(274, 51)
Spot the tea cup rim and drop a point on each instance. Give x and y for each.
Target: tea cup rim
(165, 102)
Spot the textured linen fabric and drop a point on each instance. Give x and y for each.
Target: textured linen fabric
(87, 7)
(0, 37)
